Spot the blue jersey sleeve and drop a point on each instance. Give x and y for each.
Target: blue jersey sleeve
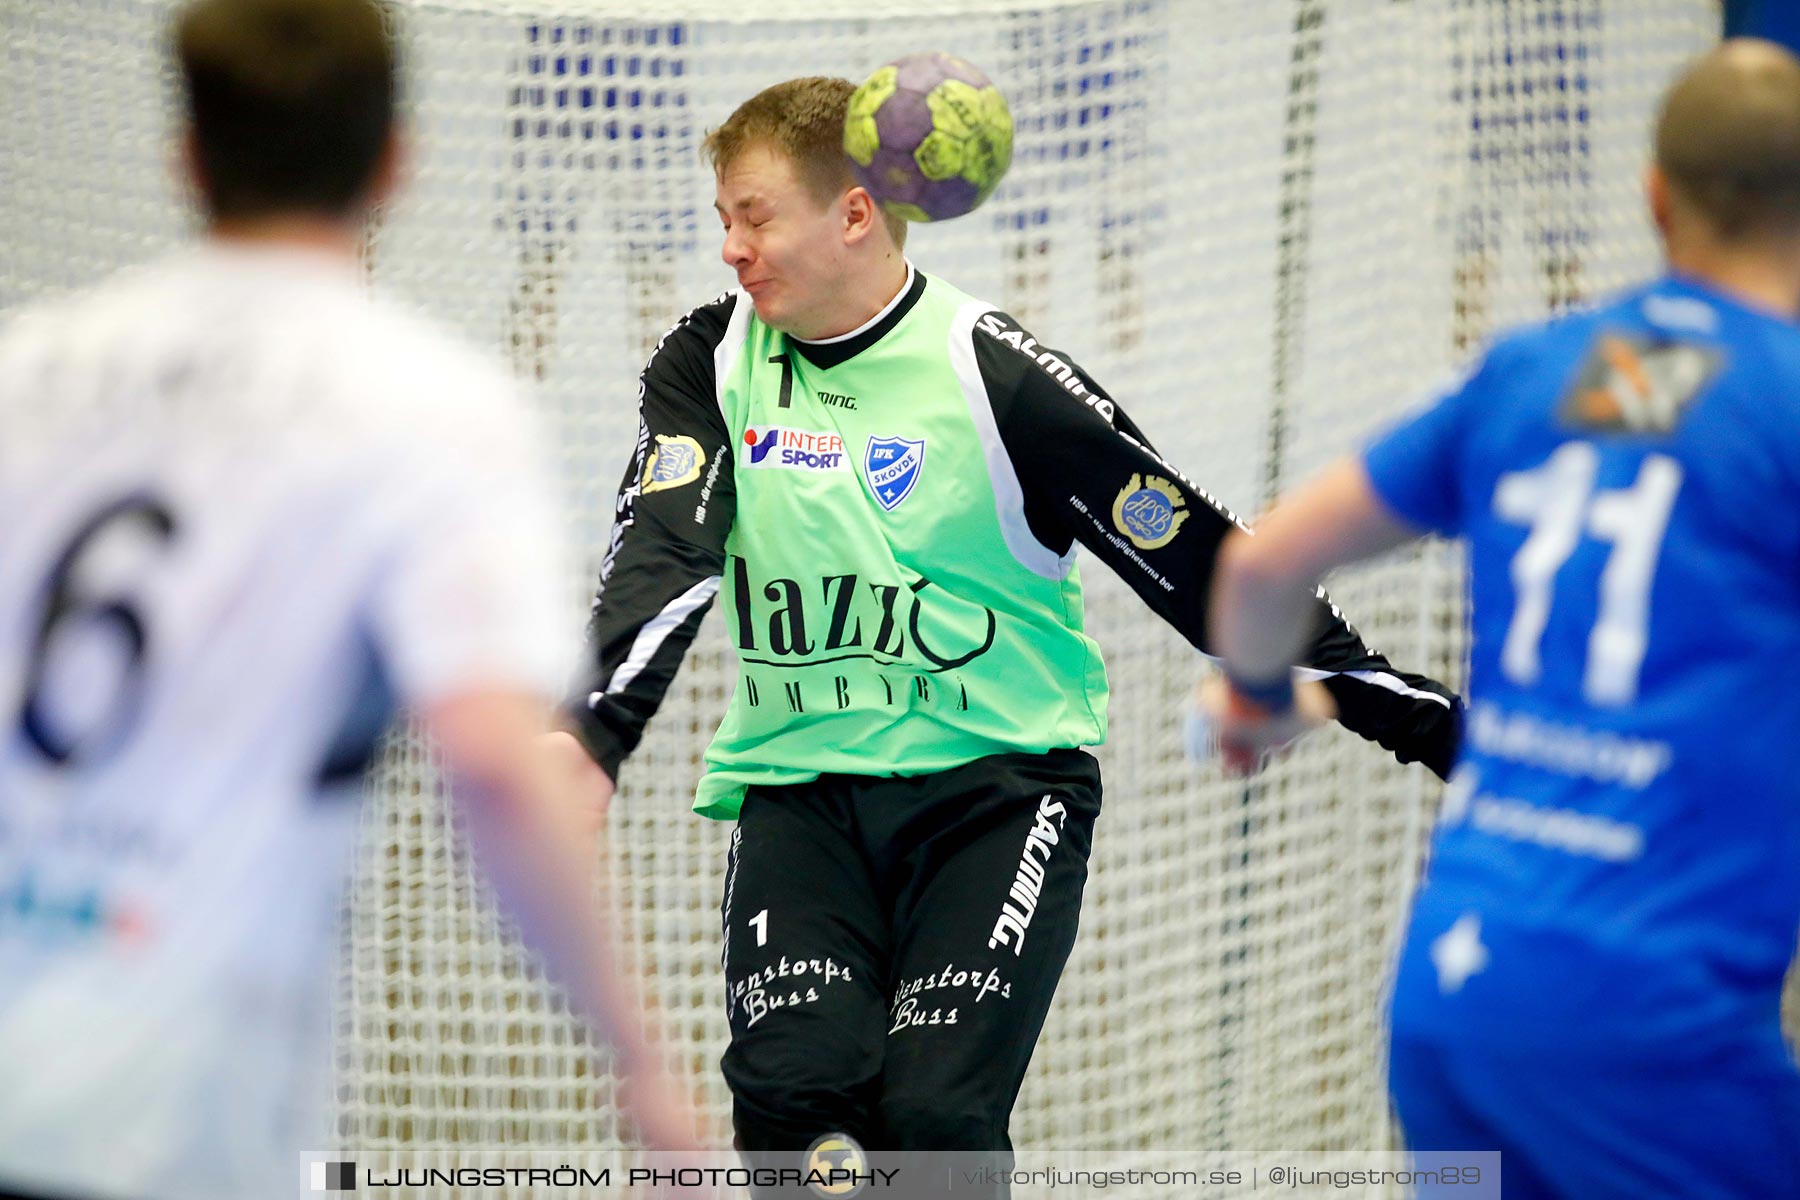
(1414, 466)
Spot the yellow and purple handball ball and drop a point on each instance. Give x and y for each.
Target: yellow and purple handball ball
(929, 135)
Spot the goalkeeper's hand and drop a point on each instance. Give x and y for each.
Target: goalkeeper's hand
(1246, 732)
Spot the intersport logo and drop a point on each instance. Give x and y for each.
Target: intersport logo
(795, 449)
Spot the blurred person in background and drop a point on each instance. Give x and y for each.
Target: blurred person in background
(1591, 980)
(887, 482)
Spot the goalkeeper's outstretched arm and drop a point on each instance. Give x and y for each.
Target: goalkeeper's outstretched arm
(1088, 474)
(666, 556)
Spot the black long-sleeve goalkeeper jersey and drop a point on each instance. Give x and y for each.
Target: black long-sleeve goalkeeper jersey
(1063, 466)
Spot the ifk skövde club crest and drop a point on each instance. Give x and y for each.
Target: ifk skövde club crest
(893, 466)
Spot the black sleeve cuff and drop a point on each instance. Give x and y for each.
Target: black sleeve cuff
(606, 746)
(1411, 730)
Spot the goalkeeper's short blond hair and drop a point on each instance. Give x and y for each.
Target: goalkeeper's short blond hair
(802, 120)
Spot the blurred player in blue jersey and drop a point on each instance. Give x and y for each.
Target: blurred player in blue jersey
(1592, 977)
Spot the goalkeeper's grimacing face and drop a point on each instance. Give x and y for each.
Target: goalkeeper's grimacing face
(791, 253)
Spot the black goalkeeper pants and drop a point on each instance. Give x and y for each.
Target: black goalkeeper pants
(891, 948)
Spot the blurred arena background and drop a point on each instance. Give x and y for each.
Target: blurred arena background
(1264, 225)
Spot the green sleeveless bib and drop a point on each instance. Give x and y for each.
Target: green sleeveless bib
(884, 621)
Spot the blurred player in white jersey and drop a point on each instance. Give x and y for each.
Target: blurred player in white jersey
(250, 514)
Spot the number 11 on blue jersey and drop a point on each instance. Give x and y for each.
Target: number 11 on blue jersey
(1560, 505)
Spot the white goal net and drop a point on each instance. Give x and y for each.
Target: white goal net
(1264, 225)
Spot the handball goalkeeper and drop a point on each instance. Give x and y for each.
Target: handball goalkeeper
(888, 480)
